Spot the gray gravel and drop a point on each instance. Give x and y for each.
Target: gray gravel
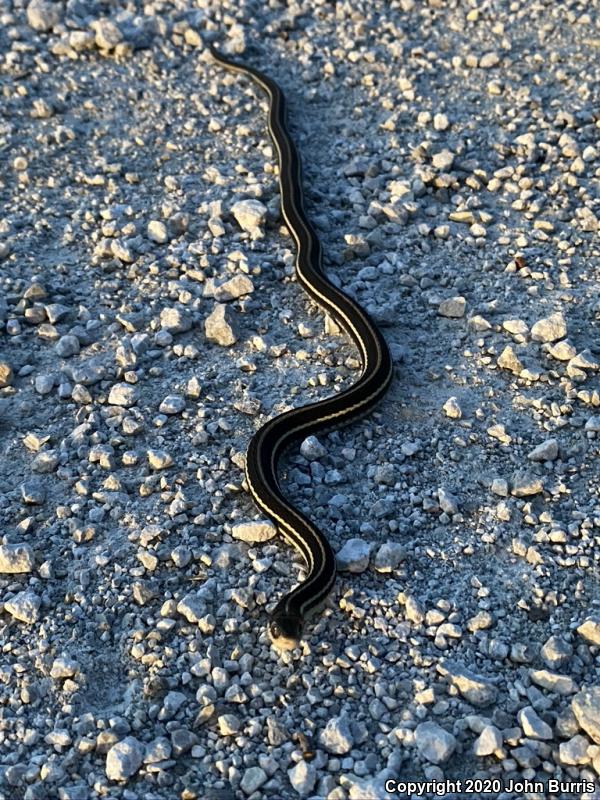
(150, 322)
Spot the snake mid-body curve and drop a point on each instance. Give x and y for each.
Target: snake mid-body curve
(269, 442)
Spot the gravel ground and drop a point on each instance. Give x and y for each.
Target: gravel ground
(150, 322)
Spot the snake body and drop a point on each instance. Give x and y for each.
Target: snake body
(269, 442)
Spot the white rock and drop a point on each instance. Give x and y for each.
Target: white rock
(229, 724)
(525, 484)
(24, 606)
(443, 160)
(159, 459)
(175, 319)
(515, 326)
(575, 751)
(303, 777)
(354, 556)
(42, 16)
(563, 351)
(448, 502)
(336, 737)
(172, 404)
(452, 307)
(253, 779)
(586, 707)
(124, 759)
(235, 287)
(553, 682)
(414, 610)
(452, 408)
(546, 451)
(434, 743)
(157, 231)
(220, 326)
(533, 727)
(477, 689)
(255, 531)
(16, 558)
(250, 215)
(389, 556)
(312, 449)
(479, 323)
(63, 667)
(549, 329)
(589, 629)
(489, 740)
(123, 394)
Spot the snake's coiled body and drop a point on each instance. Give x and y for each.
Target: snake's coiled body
(268, 443)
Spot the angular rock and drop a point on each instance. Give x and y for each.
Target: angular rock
(33, 492)
(220, 326)
(336, 737)
(489, 740)
(24, 606)
(252, 779)
(303, 776)
(16, 558)
(508, 360)
(235, 287)
(312, 449)
(67, 346)
(6, 374)
(255, 531)
(414, 610)
(448, 502)
(575, 751)
(192, 607)
(533, 727)
(63, 667)
(157, 231)
(590, 630)
(586, 707)
(229, 724)
(159, 459)
(175, 319)
(553, 682)
(389, 555)
(354, 556)
(124, 759)
(108, 34)
(123, 394)
(556, 653)
(524, 484)
(172, 404)
(250, 215)
(476, 689)
(42, 16)
(515, 326)
(549, 329)
(452, 408)
(158, 749)
(452, 307)
(563, 351)
(546, 451)
(434, 743)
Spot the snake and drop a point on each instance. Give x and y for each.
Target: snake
(266, 446)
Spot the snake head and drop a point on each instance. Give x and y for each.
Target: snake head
(285, 631)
